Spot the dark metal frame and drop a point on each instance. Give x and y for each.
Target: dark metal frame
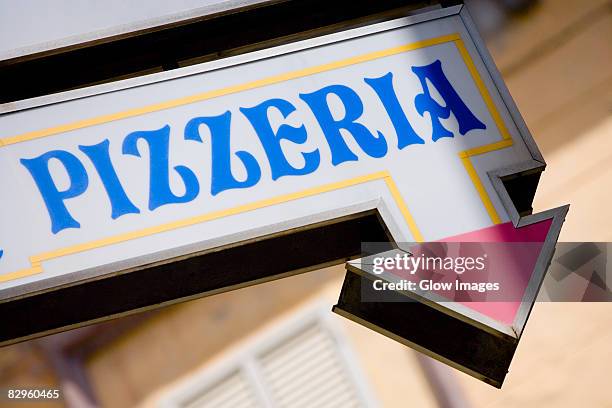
(188, 42)
(200, 274)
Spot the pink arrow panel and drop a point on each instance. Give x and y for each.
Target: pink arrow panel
(490, 269)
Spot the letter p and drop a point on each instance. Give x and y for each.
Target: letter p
(53, 197)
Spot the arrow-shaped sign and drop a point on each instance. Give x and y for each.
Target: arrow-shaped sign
(447, 316)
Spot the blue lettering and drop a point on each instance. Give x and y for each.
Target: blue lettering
(53, 197)
(335, 131)
(383, 87)
(160, 193)
(271, 141)
(222, 177)
(100, 157)
(317, 101)
(425, 103)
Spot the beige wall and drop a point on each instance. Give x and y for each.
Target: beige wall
(180, 338)
(557, 63)
(24, 366)
(138, 368)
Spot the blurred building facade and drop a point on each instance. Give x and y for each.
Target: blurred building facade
(555, 56)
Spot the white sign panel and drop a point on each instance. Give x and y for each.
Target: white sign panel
(32, 26)
(404, 116)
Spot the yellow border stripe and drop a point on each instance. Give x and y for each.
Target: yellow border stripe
(397, 196)
(501, 126)
(482, 192)
(502, 144)
(224, 91)
(21, 273)
(482, 89)
(480, 189)
(383, 175)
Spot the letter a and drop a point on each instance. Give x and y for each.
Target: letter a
(425, 103)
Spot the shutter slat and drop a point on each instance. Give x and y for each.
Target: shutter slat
(307, 371)
(297, 367)
(301, 371)
(231, 392)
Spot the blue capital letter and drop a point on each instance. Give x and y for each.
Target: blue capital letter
(425, 103)
(258, 116)
(53, 197)
(222, 177)
(370, 144)
(100, 157)
(159, 173)
(383, 87)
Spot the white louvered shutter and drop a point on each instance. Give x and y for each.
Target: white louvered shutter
(304, 364)
(307, 371)
(233, 391)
